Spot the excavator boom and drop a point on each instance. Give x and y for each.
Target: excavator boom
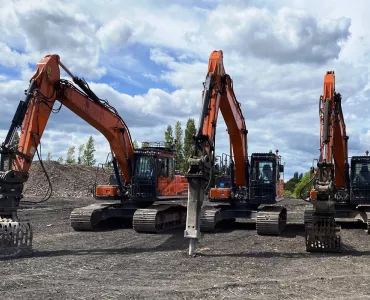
(217, 95)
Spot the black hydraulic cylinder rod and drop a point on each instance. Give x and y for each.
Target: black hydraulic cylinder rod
(205, 103)
(20, 113)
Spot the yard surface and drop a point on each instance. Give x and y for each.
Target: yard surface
(232, 264)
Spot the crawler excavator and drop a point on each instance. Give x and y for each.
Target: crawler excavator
(338, 191)
(142, 176)
(247, 192)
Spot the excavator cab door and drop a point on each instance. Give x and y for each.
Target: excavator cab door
(144, 180)
(360, 180)
(263, 178)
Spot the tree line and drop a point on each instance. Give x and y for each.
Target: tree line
(85, 155)
(184, 144)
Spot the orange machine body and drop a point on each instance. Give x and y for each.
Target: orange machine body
(108, 191)
(172, 187)
(219, 194)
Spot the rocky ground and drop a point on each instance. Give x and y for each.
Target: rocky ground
(122, 264)
(233, 264)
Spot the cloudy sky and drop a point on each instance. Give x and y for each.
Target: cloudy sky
(149, 59)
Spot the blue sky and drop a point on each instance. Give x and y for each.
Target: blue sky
(149, 59)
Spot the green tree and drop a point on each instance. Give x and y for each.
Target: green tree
(190, 131)
(48, 157)
(179, 155)
(292, 182)
(60, 160)
(88, 156)
(81, 149)
(71, 155)
(168, 135)
(303, 184)
(135, 144)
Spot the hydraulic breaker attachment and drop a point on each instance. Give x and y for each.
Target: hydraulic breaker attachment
(198, 180)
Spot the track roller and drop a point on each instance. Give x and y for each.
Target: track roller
(87, 218)
(271, 220)
(212, 216)
(15, 238)
(158, 218)
(322, 234)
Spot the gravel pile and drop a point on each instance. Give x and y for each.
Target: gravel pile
(67, 180)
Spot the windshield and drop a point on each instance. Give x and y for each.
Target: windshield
(360, 173)
(144, 166)
(263, 171)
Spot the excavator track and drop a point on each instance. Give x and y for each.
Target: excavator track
(322, 234)
(159, 218)
(211, 216)
(88, 217)
(15, 238)
(271, 220)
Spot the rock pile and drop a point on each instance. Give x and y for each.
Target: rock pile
(67, 180)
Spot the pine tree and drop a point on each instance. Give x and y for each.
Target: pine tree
(188, 142)
(80, 154)
(88, 157)
(48, 157)
(70, 155)
(60, 160)
(135, 144)
(168, 135)
(179, 155)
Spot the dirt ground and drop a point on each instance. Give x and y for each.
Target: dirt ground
(233, 264)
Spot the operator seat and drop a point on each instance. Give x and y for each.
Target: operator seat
(266, 173)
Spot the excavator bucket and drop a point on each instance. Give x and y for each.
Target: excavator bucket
(15, 238)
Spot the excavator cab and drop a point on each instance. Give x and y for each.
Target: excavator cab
(154, 169)
(360, 179)
(265, 178)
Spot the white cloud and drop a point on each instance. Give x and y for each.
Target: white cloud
(287, 36)
(115, 34)
(276, 52)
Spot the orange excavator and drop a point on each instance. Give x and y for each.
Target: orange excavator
(141, 177)
(339, 191)
(250, 186)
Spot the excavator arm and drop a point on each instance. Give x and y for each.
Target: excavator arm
(32, 115)
(332, 180)
(218, 94)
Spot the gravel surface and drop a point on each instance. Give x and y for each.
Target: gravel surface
(67, 180)
(233, 264)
